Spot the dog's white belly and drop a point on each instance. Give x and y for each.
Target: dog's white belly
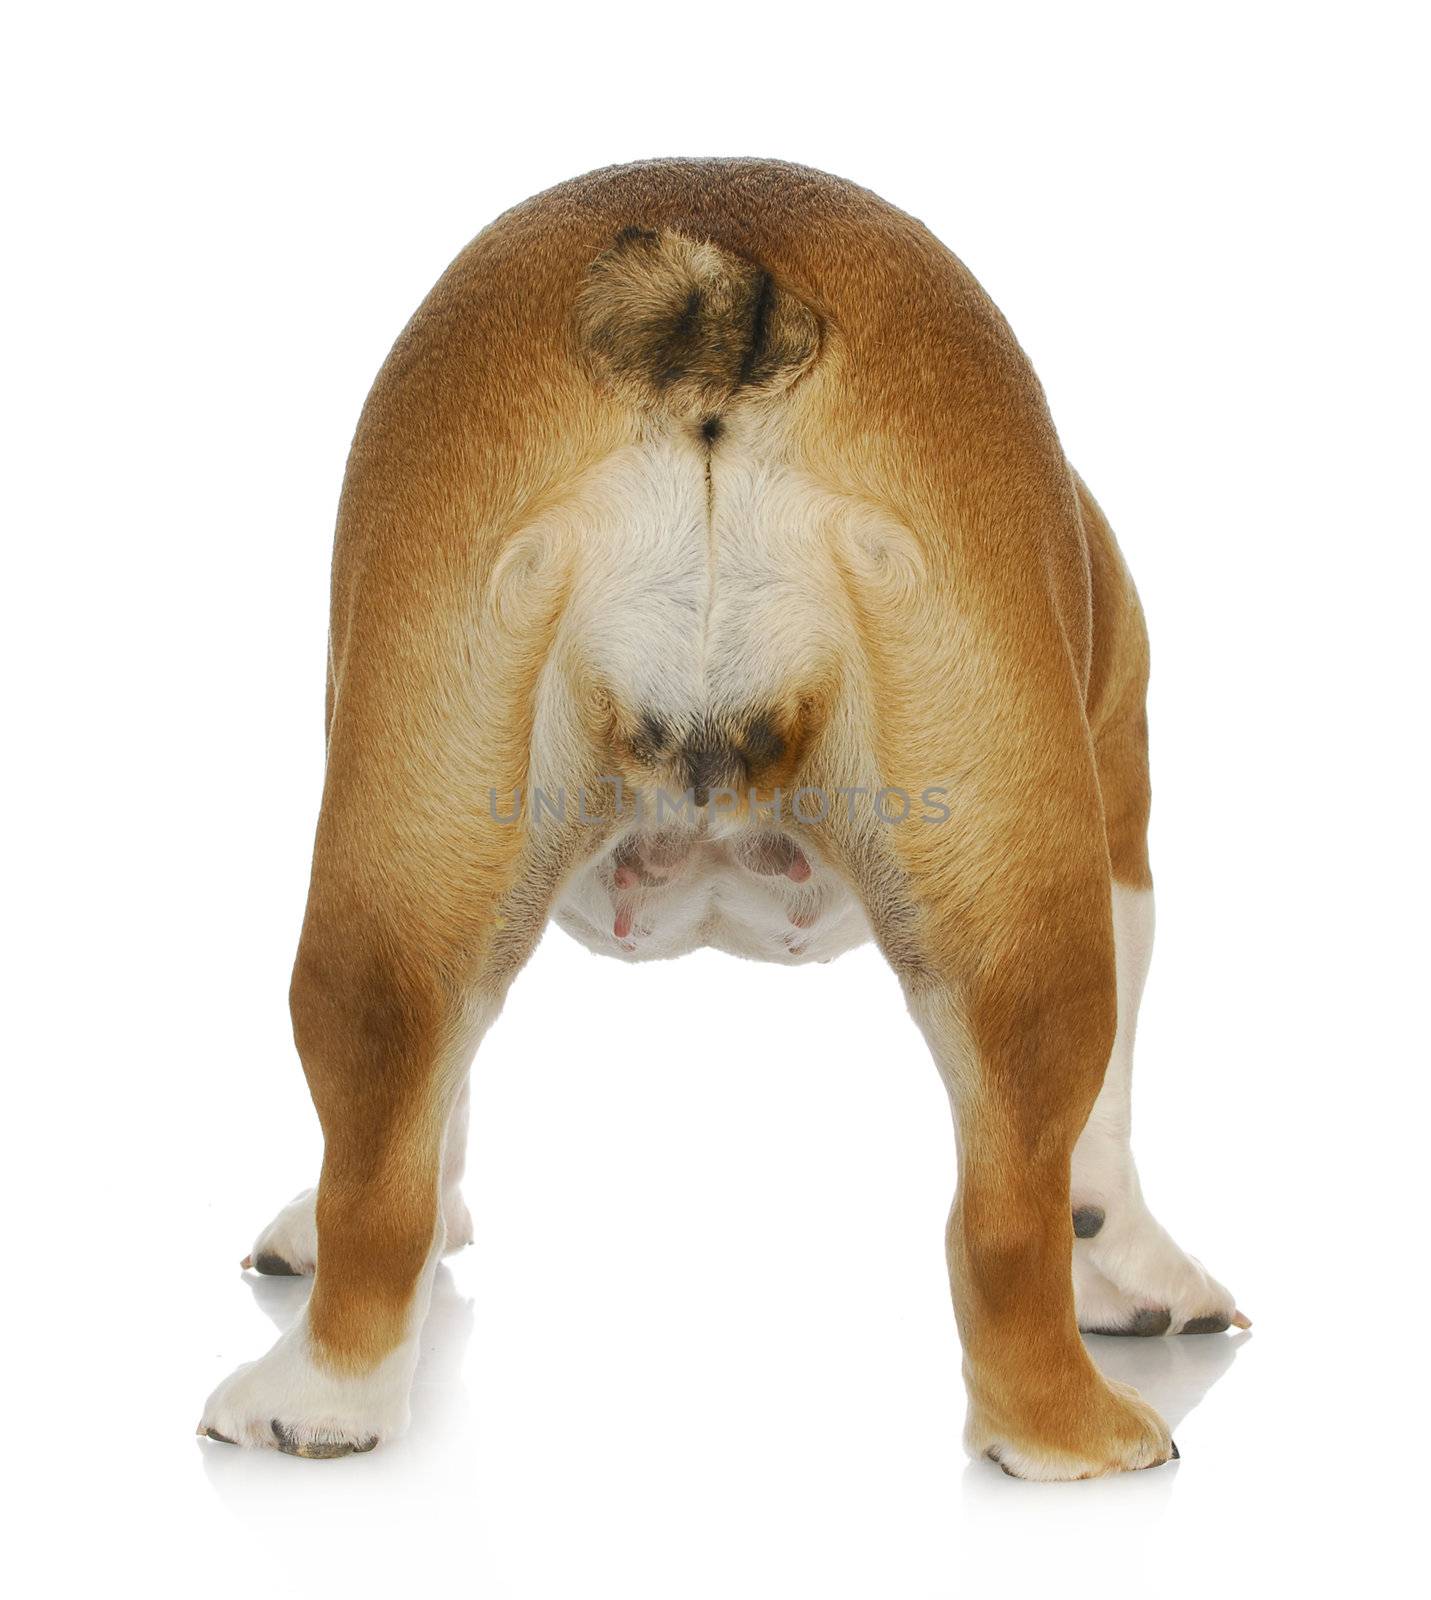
(755, 892)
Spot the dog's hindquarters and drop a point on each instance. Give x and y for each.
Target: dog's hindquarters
(707, 474)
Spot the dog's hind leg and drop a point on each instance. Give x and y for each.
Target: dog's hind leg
(288, 1246)
(421, 910)
(426, 898)
(998, 922)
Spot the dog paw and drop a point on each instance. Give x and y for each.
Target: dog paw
(1112, 1429)
(457, 1221)
(288, 1246)
(289, 1401)
(1133, 1280)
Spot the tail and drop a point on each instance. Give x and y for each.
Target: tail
(682, 327)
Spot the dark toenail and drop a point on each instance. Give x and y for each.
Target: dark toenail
(1177, 1454)
(1148, 1324)
(362, 1449)
(312, 1449)
(1087, 1220)
(223, 1438)
(1213, 1324)
(275, 1267)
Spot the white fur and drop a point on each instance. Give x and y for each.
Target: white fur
(287, 1400)
(705, 583)
(292, 1235)
(1131, 1264)
(700, 580)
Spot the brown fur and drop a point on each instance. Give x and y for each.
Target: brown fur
(681, 326)
(1009, 663)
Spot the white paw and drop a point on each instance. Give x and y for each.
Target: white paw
(288, 1246)
(456, 1222)
(1130, 1277)
(1102, 1306)
(288, 1401)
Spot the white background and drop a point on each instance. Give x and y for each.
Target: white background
(702, 1346)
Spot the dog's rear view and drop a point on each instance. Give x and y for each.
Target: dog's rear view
(709, 573)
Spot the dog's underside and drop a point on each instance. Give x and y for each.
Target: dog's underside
(724, 480)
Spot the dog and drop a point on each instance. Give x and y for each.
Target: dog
(708, 572)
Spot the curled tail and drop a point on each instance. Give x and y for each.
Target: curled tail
(683, 327)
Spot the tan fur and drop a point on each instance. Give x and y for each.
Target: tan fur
(990, 642)
(679, 325)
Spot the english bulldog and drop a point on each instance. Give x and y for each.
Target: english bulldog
(709, 573)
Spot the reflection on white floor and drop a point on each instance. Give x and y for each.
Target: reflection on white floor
(1174, 1374)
